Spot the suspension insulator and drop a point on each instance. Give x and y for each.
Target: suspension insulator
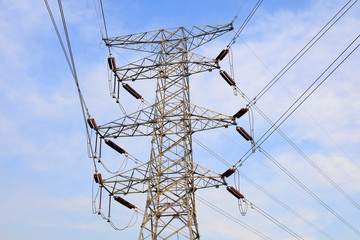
(240, 113)
(227, 78)
(228, 173)
(222, 55)
(235, 192)
(114, 146)
(92, 123)
(98, 178)
(132, 91)
(244, 134)
(112, 64)
(124, 202)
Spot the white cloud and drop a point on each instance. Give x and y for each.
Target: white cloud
(39, 105)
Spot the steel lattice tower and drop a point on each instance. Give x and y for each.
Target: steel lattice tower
(171, 177)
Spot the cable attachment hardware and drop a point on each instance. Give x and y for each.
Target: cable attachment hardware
(92, 123)
(228, 173)
(227, 78)
(236, 90)
(98, 178)
(222, 55)
(244, 134)
(242, 203)
(241, 113)
(112, 64)
(130, 90)
(124, 202)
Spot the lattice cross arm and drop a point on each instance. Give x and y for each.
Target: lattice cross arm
(141, 123)
(153, 41)
(148, 67)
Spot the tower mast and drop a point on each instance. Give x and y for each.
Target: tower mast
(171, 177)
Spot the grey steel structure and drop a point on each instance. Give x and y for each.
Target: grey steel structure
(171, 177)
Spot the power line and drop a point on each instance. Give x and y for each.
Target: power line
(275, 126)
(238, 11)
(259, 210)
(303, 97)
(346, 154)
(264, 191)
(312, 194)
(286, 207)
(71, 64)
(351, 200)
(308, 159)
(279, 165)
(277, 222)
(243, 25)
(312, 118)
(305, 49)
(222, 212)
(103, 17)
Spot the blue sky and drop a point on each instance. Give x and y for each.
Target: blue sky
(47, 176)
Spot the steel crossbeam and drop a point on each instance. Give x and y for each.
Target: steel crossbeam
(141, 122)
(153, 41)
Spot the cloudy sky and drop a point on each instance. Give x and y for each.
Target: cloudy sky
(46, 174)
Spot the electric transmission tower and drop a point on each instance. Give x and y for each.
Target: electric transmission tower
(171, 177)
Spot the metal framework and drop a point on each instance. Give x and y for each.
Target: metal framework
(171, 177)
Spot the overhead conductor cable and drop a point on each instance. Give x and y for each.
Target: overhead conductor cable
(264, 191)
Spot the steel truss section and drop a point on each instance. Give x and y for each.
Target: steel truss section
(135, 180)
(147, 68)
(141, 123)
(154, 41)
(171, 177)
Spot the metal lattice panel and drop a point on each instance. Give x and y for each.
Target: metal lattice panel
(154, 41)
(141, 123)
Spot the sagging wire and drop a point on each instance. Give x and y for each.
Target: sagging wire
(98, 211)
(252, 128)
(71, 64)
(119, 170)
(94, 197)
(133, 220)
(236, 90)
(242, 202)
(130, 224)
(124, 163)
